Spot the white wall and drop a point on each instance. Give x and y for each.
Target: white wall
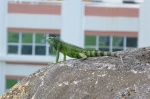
(111, 23)
(72, 22)
(3, 33)
(34, 21)
(144, 35)
(2, 77)
(3, 27)
(54, 22)
(21, 70)
(28, 58)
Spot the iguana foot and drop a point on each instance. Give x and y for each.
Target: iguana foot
(83, 56)
(51, 63)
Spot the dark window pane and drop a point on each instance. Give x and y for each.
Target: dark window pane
(12, 49)
(116, 49)
(40, 38)
(131, 42)
(117, 41)
(10, 83)
(104, 49)
(104, 41)
(90, 40)
(129, 1)
(13, 37)
(26, 50)
(52, 52)
(27, 38)
(90, 48)
(40, 50)
(117, 44)
(54, 35)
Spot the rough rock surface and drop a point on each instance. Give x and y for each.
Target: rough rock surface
(123, 77)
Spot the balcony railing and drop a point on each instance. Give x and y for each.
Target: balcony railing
(35, 1)
(109, 1)
(116, 1)
(92, 1)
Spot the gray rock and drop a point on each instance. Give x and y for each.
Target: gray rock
(124, 77)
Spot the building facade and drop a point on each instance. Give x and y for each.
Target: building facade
(93, 25)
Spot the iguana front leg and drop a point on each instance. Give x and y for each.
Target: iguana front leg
(57, 56)
(83, 56)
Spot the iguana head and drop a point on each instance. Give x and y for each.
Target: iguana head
(52, 41)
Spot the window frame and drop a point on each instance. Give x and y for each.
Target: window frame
(33, 44)
(111, 47)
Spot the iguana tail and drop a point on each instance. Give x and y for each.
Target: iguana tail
(93, 53)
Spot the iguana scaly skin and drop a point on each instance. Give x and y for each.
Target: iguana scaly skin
(74, 51)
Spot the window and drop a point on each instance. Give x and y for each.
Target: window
(90, 42)
(10, 83)
(131, 42)
(26, 41)
(133, 1)
(13, 41)
(13, 49)
(29, 44)
(104, 43)
(109, 43)
(40, 44)
(117, 43)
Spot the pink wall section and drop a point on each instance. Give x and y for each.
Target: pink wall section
(53, 31)
(112, 33)
(53, 9)
(56, 10)
(111, 11)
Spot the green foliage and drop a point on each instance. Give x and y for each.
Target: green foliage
(90, 40)
(40, 38)
(13, 37)
(117, 41)
(27, 37)
(10, 83)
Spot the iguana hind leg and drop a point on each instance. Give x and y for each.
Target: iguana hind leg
(83, 56)
(64, 58)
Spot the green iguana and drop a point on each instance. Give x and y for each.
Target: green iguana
(74, 51)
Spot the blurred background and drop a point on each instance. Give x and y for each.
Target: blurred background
(108, 25)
